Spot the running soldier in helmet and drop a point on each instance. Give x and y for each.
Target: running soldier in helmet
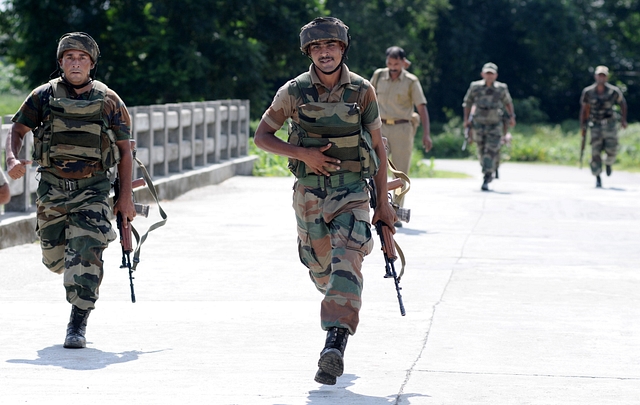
(81, 130)
(334, 146)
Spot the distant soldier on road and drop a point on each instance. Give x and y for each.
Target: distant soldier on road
(596, 111)
(490, 98)
(81, 130)
(334, 147)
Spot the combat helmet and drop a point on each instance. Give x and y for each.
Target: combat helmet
(323, 29)
(80, 41)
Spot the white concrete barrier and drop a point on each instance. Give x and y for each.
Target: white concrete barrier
(171, 139)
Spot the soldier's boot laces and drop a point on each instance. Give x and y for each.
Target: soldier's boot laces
(331, 363)
(608, 168)
(77, 328)
(598, 182)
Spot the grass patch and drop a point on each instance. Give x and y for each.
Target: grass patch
(10, 103)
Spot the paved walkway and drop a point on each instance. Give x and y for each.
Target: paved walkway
(525, 295)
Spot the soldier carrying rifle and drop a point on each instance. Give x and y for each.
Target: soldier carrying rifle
(81, 130)
(334, 147)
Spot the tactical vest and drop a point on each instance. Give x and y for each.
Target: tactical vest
(76, 129)
(338, 124)
(489, 104)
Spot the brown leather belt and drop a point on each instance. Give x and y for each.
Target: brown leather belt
(394, 122)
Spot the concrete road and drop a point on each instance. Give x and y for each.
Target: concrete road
(528, 294)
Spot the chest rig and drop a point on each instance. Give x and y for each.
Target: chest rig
(76, 129)
(338, 124)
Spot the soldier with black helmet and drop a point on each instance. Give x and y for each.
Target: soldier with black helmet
(334, 146)
(81, 130)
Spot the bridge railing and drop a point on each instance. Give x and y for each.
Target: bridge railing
(170, 138)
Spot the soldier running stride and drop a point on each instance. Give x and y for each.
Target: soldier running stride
(334, 146)
(81, 129)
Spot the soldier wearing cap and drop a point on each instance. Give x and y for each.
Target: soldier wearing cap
(491, 99)
(334, 146)
(597, 111)
(81, 130)
(398, 92)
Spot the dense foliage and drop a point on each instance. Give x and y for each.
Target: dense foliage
(159, 51)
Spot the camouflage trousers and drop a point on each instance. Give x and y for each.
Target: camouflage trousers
(603, 138)
(334, 236)
(74, 230)
(487, 139)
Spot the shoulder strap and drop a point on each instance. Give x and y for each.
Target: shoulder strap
(354, 89)
(307, 91)
(58, 90)
(100, 87)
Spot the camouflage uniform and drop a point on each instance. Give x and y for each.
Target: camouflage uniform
(487, 121)
(603, 123)
(333, 219)
(72, 201)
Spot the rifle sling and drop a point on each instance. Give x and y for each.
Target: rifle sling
(152, 190)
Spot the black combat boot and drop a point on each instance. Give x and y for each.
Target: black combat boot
(598, 182)
(77, 328)
(331, 363)
(487, 180)
(608, 168)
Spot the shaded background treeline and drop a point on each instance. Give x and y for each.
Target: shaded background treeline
(169, 51)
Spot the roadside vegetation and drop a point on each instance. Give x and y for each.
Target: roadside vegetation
(541, 143)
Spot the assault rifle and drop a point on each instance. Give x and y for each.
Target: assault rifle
(125, 233)
(468, 131)
(584, 139)
(387, 242)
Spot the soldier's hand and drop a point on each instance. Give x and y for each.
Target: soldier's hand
(127, 210)
(386, 214)
(16, 168)
(427, 143)
(320, 163)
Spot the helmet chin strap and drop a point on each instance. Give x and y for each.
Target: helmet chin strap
(75, 86)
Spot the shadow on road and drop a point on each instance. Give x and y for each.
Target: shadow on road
(79, 359)
(334, 394)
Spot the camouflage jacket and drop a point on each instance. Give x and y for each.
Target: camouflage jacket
(489, 101)
(35, 111)
(601, 104)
